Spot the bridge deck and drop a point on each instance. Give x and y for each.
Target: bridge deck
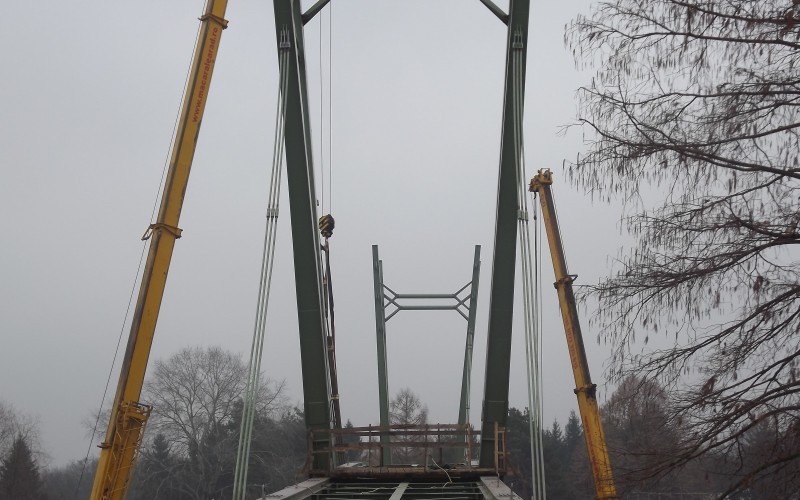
(490, 488)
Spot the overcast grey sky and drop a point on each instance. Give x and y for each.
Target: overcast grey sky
(91, 90)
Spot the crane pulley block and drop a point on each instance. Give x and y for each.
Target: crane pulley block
(543, 178)
(326, 225)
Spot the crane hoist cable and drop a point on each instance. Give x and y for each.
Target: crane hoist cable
(322, 106)
(326, 226)
(321, 116)
(141, 263)
(267, 265)
(326, 222)
(330, 106)
(537, 290)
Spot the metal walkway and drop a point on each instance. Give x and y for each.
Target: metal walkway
(329, 489)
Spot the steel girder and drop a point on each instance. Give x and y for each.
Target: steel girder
(305, 238)
(501, 299)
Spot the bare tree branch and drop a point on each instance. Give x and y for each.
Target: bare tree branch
(693, 119)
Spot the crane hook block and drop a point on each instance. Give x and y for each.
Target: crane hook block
(326, 225)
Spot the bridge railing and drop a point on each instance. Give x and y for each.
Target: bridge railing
(421, 447)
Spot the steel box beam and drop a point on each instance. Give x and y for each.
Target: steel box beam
(305, 238)
(497, 11)
(380, 329)
(463, 408)
(501, 300)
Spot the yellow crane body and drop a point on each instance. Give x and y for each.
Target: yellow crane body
(129, 416)
(584, 388)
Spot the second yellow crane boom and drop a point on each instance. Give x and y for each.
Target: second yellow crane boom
(584, 388)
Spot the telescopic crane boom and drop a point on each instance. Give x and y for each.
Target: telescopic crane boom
(584, 388)
(128, 416)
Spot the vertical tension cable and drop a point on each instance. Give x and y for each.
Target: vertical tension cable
(267, 265)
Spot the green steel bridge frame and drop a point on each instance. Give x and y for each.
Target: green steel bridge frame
(289, 22)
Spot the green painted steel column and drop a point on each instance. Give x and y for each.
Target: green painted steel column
(380, 330)
(463, 408)
(305, 238)
(501, 300)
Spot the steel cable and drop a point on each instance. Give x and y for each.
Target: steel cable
(529, 282)
(141, 261)
(267, 265)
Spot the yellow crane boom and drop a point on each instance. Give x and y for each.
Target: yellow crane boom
(128, 416)
(584, 388)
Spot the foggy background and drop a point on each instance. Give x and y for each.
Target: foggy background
(90, 93)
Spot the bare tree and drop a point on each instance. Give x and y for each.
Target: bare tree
(8, 426)
(693, 122)
(196, 394)
(640, 434)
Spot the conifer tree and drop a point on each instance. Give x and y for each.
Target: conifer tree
(556, 465)
(573, 432)
(581, 484)
(19, 474)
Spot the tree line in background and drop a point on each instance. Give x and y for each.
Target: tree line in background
(191, 442)
(640, 434)
(197, 404)
(191, 439)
